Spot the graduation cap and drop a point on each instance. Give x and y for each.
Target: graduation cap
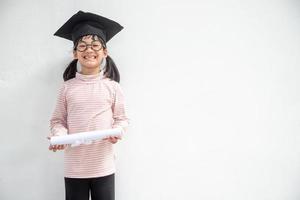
(85, 23)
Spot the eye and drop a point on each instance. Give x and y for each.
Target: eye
(96, 45)
(81, 46)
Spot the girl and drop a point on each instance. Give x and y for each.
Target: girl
(88, 100)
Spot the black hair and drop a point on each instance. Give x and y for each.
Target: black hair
(111, 70)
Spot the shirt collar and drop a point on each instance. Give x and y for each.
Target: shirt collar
(89, 78)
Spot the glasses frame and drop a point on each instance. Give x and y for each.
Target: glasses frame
(89, 45)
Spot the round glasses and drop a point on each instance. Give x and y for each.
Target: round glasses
(95, 45)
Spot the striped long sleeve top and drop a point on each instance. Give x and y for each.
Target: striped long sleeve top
(88, 103)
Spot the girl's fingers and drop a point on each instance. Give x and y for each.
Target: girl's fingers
(113, 139)
(60, 147)
(51, 147)
(54, 148)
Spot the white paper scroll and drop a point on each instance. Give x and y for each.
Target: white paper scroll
(84, 137)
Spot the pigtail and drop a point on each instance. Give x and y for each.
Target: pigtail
(71, 70)
(111, 70)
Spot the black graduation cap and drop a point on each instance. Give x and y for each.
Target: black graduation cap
(85, 23)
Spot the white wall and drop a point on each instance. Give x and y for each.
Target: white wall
(212, 87)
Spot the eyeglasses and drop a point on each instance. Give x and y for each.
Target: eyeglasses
(95, 45)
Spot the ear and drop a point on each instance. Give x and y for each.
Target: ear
(105, 53)
(75, 55)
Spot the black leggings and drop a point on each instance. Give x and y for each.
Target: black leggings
(102, 188)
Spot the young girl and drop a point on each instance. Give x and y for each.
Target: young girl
(89, 100)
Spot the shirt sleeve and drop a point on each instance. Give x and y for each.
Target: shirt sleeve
(58, 121)
(119, 109)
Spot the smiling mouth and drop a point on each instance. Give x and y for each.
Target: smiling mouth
(89, 57)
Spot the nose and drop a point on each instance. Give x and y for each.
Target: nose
(89, 48)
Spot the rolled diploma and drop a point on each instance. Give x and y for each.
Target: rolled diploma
(82, 137)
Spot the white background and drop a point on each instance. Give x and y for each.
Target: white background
(212, 89)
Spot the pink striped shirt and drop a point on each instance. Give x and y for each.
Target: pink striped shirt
(88, 103)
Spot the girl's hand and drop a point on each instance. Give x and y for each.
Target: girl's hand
(54, 148)
(113, 139)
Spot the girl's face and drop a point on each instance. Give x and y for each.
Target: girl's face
(90, 53)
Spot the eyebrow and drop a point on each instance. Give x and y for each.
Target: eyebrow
(89, 36)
